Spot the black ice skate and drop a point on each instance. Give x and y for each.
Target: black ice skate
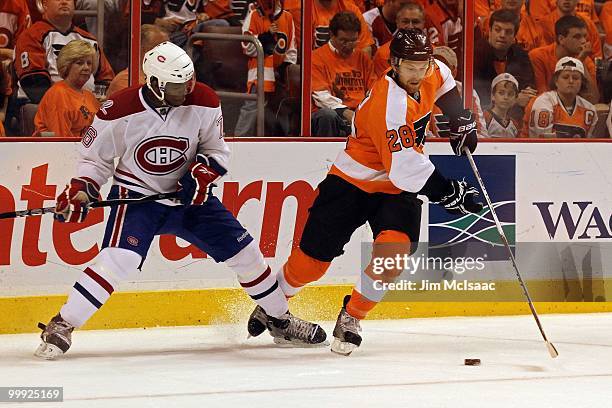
(258, 322)
(286, 329)
(56, 338)
(346, 332)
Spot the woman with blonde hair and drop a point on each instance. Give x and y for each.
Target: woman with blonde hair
(67, 109)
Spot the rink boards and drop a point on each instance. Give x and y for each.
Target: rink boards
(546, 192)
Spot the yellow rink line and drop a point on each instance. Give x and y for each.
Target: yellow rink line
(231, 305)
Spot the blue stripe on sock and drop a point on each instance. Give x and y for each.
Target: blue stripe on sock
(87, 295)
(266, 293)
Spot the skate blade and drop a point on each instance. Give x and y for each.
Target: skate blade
(48, 351)
(282, 342)
(342, 347)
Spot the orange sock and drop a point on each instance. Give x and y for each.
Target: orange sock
(302, 269)
(359, 306)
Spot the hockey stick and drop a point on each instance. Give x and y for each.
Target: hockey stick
(551, 348)
(96, 204)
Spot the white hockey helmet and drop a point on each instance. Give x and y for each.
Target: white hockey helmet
(168, 63)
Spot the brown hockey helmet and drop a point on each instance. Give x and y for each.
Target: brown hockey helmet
(411, 44)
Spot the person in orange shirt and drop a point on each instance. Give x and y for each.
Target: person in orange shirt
(150, 36)
(561, 112)
(322, 13)
(568, 8)
(606, 22)
(67, 110)
(376, 179)
(341, 76)
(483, 8)
(539, 9)
(14, 19)
(274, 28)
(571, 35)
(412, 15)
(446, 17)
(38, 47)
(529, 34)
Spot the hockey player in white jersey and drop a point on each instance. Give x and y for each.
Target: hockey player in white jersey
(167, 133)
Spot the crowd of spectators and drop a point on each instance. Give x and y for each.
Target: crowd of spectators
(541, 68)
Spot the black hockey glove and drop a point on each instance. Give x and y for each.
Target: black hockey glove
(463, 132)
(268, 42)
(461, 199)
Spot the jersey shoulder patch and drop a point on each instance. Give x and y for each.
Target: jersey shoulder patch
(123, 103)
(202, 95)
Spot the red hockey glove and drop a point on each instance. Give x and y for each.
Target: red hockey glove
(71, 205)
(194, 186)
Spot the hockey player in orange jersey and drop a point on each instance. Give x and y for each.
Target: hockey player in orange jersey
(562, 112)
(377, 177)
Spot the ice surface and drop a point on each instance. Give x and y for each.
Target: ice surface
(402, 363)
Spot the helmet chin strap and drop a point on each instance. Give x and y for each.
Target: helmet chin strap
(160, 95)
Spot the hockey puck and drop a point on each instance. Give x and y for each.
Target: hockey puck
(472, 361)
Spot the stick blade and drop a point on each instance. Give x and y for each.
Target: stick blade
(552, 350)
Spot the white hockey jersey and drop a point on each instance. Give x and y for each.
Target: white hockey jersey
(155, 147)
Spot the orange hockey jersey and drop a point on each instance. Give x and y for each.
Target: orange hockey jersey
(256, 23)
(38, 47)
(321, 17)
(65, 111)
(606, 22)
(14, 19)
(543, 61)
(548, 32)
(447, 23)
(339, 82)
(385, 151)
(545, 116)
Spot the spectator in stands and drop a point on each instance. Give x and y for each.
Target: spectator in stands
(571, 35)
(447, 56)
(411, 15)
(529, 34)
(341, 76)
(38, 47)
(322, 13)
(606, 22)
(275, 31)
(446, 18)
(68, 109)
(150, 36)
(232, 11)
(111, 7)
(483, 9)
(561, 112)
(499, 54)
(14, 19)
(541, 8)
(382, 20)
(568, 8)
(498, 118)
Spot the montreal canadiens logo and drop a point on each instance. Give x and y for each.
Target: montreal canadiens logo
(162, 154)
